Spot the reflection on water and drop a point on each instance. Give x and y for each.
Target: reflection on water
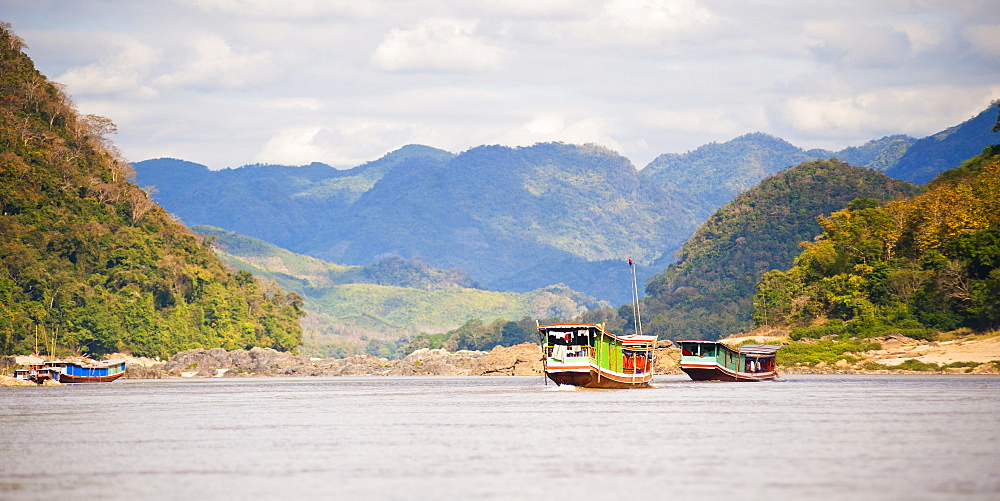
(885, 437)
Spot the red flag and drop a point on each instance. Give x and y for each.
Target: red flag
(630, 262)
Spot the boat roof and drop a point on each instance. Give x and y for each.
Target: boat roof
(748, 349)
(568, 326)
(759, 349)
(102, 363)
(559, 327)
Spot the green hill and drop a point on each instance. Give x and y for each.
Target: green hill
(90, 263)
(914, 265)
(708, 293)
(358, 308)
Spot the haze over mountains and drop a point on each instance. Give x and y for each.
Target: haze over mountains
(517, 219)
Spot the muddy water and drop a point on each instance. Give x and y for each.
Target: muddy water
(883, 437)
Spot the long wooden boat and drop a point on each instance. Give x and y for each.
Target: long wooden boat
(715, 361)
(586, 355)
(73, 372)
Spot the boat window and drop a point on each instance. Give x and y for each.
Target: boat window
(707, 350)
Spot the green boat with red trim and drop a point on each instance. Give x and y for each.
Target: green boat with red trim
(588, 356)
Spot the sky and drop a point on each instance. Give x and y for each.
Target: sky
(232, 82)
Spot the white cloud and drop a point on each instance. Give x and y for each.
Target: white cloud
(556, 127)
(288, 9)
(644, 22)
(917, 111)
(214, 65)
(984, 39)
(345, 145)
(123, 71)
(293, 103)
(438, 44)
(345, 81)
(859, 44)
(717, 122)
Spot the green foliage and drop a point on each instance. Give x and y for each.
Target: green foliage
(367, 309)
(826, 351)
(475, 335)
(874, 366)
(959, 365)
(90, 263)
(913, 364)
(913, 267)
(709, 292)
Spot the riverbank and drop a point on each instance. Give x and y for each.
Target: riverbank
(896, 355)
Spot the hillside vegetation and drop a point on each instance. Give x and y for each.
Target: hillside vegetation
(90, 263)
(916, 265)
(708, 293)
(357, 309)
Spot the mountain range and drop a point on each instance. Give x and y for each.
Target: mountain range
(517, 219)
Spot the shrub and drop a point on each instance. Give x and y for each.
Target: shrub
(874, 366)
(825, 351)
(916, 365)
(970, 365)
(831, 328)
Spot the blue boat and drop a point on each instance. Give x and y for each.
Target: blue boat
(74, 372)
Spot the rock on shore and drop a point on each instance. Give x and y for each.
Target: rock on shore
(524, 359)
(520, 360)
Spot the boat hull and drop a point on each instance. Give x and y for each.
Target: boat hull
(596, 379)
(66, 378)
(720, 374)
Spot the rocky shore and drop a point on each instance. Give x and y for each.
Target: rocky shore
(520, 360)
(977, 355)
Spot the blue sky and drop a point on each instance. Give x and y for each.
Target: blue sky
(231, 82)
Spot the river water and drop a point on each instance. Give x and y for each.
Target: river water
(802, 437)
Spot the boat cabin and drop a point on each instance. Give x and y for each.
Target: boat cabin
(587, 355)
(712, 360)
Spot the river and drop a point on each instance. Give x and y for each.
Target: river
(801, 437)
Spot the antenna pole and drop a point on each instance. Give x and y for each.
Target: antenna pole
(637, 320)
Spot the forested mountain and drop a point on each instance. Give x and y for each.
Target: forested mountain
(353, 309)
(516, 219)
(276, 203)
(90, 263)
(927, 262)
(708, 292)
(877, 154)
(947, 149)
(715, 173)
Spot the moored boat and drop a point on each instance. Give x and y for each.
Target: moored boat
(74, 372)
(37, 374)
(586, 355)
(715, 361)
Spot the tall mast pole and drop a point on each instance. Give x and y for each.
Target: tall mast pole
(637, 318)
